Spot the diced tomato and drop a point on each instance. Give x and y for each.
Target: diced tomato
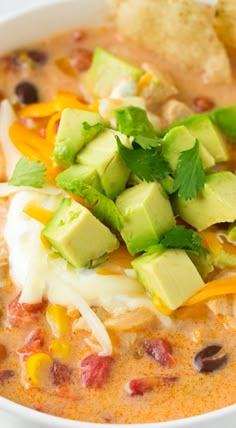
(6, 375)
(161, 350)
(34, 342)
(81, 59)
(61, 373)
(145, 384)
(95, 370)
(20, 314)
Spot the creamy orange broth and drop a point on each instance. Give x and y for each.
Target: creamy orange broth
(191, 330)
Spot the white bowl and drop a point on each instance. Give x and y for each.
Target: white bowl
(42, 21)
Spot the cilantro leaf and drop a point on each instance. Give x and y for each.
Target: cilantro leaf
(147, 165)
(147, 143)
(103, 207)
(190, 176)
(186, 239)
(27, 173)
(134, 121)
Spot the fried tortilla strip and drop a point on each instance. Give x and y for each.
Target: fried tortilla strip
(225, 22)
(177, 30)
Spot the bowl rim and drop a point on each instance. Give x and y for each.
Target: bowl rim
(38, 417)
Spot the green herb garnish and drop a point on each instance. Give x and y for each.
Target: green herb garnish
(147, 165)
(183, 238)
(27, 173)
(190, 176)
(133, 121)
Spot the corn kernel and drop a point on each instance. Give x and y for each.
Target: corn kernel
(59, 348)
(37, 368)
(58, 319)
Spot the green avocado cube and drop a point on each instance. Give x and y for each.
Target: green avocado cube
(215, 203)
(76, 128)
(169, 275)
(72, 176)
(225, 119)
(78, 236)
(147, 215)
(103, 154)
(202, 128)
(179, 139)
(108, 70)
(231, 233)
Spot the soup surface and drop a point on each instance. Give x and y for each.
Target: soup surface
(152, 374)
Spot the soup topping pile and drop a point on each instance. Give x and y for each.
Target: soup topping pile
(118, 219)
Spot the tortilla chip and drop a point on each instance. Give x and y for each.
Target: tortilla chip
(225, 22)
(177, 30)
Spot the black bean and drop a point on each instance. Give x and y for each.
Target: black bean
(26, 92)
(39, 57)
(210, 359)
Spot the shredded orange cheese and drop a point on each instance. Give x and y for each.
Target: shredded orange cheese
(106, 271)
(210, 238)
(38, 213)
(121, 257)
(161, 307)
(62, 101)
(144, 82)
(218, 287)
(51, 128)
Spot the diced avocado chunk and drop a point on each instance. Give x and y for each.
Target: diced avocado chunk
(103, 154)
(106, 71)
(147, 215)
(70, 177)
(169, 275)
(76, 128)
(168, 184)
(78, 236)
(202, 128)
(225, 118)
(215, 203)
(203, 263)
(179, 139)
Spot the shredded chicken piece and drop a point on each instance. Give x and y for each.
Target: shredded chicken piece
(136, 319)
(225, 308)
(173, 111)
(159, 89)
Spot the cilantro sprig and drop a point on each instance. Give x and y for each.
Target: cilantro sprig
(29, 173)
(147, 165)
(190, 176)
(183, 238)
(103, 207)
